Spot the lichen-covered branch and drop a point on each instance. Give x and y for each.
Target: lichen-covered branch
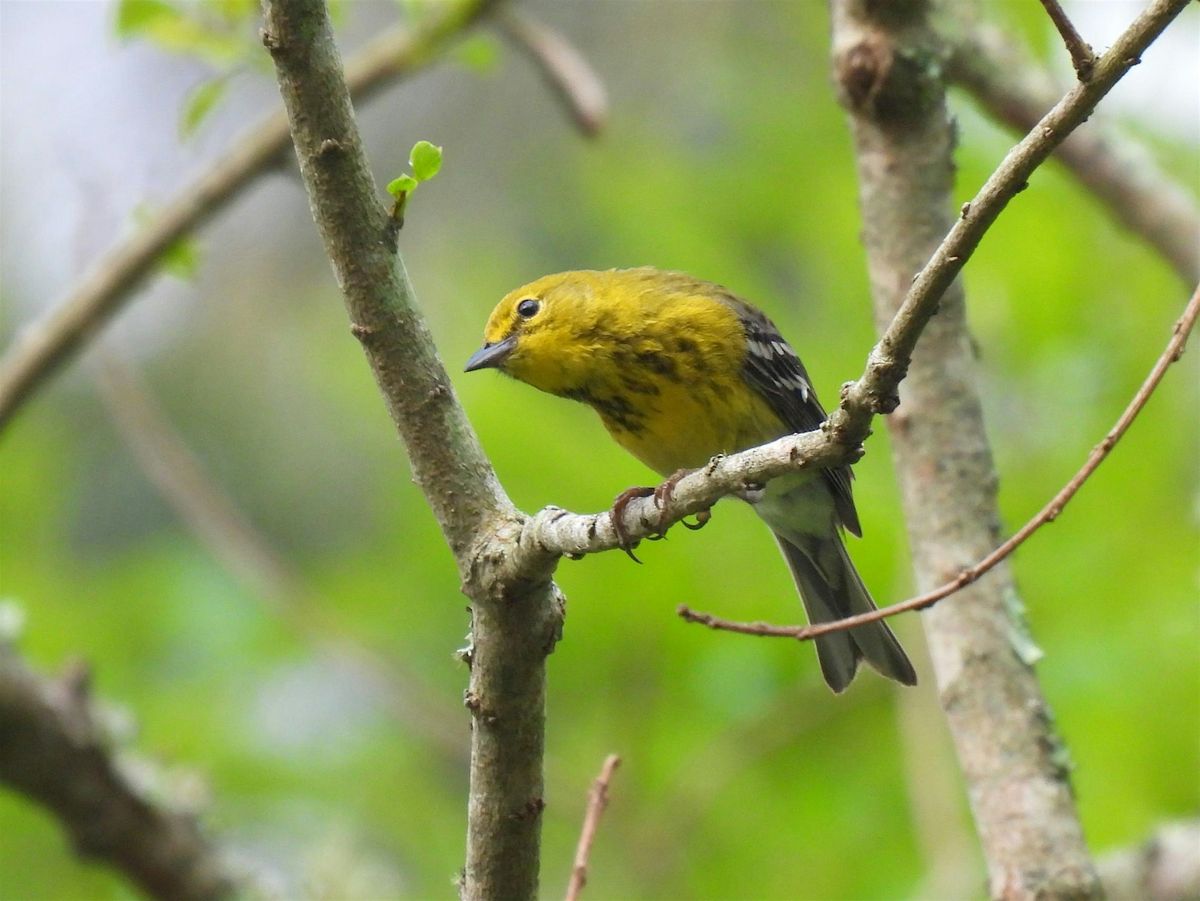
(54, 752)
(45, 345)
(1016, 90)
(515, 621)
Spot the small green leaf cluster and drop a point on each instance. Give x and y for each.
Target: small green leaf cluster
(425, 160)
(222, 33)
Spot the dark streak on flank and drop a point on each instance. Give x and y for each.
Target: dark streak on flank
(614, 410)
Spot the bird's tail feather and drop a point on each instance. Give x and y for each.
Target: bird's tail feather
(831, 589)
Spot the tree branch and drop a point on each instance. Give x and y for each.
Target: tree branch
(1082, 57)
(1049, 513)
(565, 69)
(515, 623)
(1015, 90)
(45, 345)
(597, 802)
(54, 752)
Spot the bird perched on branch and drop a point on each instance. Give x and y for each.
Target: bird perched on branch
(680, 370)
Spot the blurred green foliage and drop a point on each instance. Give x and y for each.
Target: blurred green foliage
(743, 777)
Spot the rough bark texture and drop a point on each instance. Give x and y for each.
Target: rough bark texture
(515, 621)
(53, 752)
(887, 68)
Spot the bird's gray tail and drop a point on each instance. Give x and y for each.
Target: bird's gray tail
(831, 589)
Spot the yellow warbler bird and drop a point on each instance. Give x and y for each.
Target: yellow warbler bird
(679, 370)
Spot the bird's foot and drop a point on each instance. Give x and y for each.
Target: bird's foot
(666, 491)
(662, 495)
(617, 514)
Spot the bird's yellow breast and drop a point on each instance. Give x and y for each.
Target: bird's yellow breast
(684, 424)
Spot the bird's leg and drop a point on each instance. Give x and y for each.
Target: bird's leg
(617, 515)
(662, 498)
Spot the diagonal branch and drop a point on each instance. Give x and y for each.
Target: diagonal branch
(1048, 514)
(565, 69)
(43, 346)
(1016, 90)
(54, 752)
(1082, 57)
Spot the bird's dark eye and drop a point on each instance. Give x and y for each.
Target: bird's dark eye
(528, 308)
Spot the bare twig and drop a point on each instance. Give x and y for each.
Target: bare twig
(597, 801)
(1082, 57)
(54, 752)
(41, 347)
(1016, 90)
(566, 70)
(1049, 513)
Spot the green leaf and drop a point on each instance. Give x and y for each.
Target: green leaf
(405, 184)
(234, 10)
(174, 30)
(181, 259)
(426, 160)
(199, 103)
(135, 17)
(479, 52)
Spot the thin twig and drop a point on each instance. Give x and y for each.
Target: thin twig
(1016, 90)
(1050, 512)
(566, 70)
(43, 346)
(1082, 56)
(597, 801)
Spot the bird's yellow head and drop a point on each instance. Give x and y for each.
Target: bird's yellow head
(554, 332)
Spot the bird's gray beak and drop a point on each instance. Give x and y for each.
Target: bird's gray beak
(491, 355)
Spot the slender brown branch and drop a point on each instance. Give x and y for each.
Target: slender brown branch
(1049, 513)
(45, 345)
(1015, 89)
(54, 752)
(565, 69)
(597, 801)
(1082, 57)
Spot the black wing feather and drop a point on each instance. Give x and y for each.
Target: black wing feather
(773, 369)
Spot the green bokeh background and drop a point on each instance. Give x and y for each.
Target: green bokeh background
(726, 156)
